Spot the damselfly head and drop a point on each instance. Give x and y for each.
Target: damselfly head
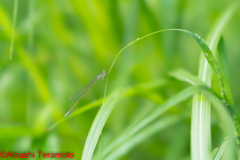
(104, 74)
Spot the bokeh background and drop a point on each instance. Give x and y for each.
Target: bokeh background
(61, 45)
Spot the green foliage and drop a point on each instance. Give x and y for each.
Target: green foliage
(50, 49)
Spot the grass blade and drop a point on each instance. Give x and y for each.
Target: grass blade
(141, 136)
(217, 152)
(104, 112)
(184, 75)
(223, 58)
(99, 123)
(92, 140)
(201, 134)
(155, 113)
(221, 80)
(15, 8)
(77, 112)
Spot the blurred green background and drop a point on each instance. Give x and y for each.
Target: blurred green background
(61, 45)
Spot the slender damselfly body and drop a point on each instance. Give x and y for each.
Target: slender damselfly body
(79, 94)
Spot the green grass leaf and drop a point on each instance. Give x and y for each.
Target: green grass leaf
(141, 136)
(99, 123)
(223, 58)
(185, 76)
(76, 113)
(15, 8)
(200, 132)
(153, 115)
(105, 111)
(93, 135)
(217, 152)
(207, 52)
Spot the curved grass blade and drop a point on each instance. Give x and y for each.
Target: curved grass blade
(207, 53)
(155, 113)
(217, 152)
(188, 77)
(88, 150)
(99, 123)
(200, 132)
(104, 112)
(221, 80)
(185, 76)
(118, 148)
(141, 136)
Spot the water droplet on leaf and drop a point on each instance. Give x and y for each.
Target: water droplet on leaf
(197, 36)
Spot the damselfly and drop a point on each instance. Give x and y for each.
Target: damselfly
(79, 94)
